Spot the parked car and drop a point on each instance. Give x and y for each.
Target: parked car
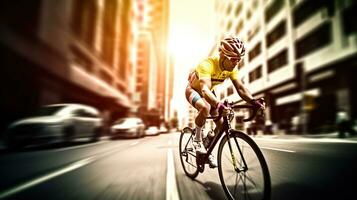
(56, 122)
(163, 129)
(152, 130)
(129, 127)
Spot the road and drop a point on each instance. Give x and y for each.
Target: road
(149, 168)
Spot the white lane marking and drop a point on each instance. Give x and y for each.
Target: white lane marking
(315, 140)
(276, 149)
(77, 147)
(171, 187)
(47, 177)
(134, 143)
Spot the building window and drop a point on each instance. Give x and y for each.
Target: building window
(306, 9)
(273, 9)
(239, 27)
(238, 9)
(229, 25)
(278, 32)
(230, 91)
(229, 8)
(222, 95)
(318, 38)
(140, 71)
(278, 61)
(249, 14)
(254, 52)
(349, 25)
(255, 74)
(83, 20)
(109, 22)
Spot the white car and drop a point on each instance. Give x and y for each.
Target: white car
(55, 122)
(129, 127)
(163, 129)
(152, 130)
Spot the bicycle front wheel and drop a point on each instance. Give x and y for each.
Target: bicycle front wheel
(242, 168)
(187, 153)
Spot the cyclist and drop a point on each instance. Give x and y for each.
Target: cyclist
(202, 80)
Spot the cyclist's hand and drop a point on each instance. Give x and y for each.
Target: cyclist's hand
(258, 104)
(222, 109)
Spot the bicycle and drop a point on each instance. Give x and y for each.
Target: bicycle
(240, 160)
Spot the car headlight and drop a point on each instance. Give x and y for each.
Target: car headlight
(132, 130)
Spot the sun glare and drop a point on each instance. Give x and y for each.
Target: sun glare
(190, 41)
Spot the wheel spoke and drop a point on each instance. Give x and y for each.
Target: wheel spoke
(249, 183)
(238, 178)
(251, 180)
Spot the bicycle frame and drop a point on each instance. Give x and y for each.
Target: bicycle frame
(224, 129)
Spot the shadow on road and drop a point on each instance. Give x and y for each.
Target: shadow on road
(293, 191)
(213, 190)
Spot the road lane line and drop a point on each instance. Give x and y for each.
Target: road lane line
(47, 177)
(312, 140)
(276, 149)
(78, 147)
(171, 187)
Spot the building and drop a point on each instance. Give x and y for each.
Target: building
(153, 99)
(146, 84)
(301, 57)
(65, 51)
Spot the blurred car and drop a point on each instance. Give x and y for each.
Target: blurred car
(56, 122)
(163, 129)
(152, 130)
(129, 127)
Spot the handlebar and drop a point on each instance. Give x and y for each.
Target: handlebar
(252, 116)
(234, 106)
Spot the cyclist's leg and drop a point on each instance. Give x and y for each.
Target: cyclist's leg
(211, 159)
(203, 107)
(219, 122)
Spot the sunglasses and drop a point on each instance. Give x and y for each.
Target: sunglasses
(233, 59)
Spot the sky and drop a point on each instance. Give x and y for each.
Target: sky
(191, 37)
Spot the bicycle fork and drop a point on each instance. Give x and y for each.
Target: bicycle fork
(234, 158)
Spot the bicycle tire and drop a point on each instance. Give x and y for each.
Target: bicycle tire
(187, 153)
(235, 190)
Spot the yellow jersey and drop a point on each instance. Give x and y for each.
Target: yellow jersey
(209, 68)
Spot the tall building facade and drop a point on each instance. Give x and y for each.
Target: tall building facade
(65, 51)
(153, 83)
(301, 57)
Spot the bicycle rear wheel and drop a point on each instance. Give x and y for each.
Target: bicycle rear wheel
(187, 153)
(242, 168)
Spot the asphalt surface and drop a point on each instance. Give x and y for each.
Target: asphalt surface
(301, 167)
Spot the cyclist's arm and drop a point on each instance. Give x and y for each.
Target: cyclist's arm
(242, 90)
(205, 84)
